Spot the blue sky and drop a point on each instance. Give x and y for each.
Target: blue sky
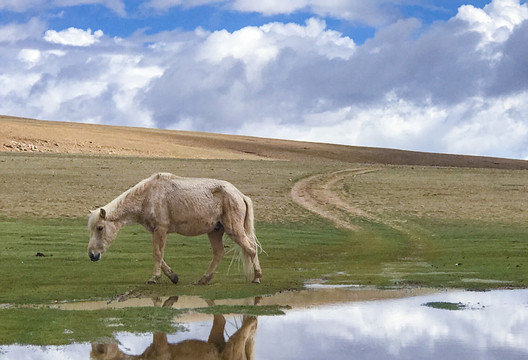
(439, 76)
(215, 16)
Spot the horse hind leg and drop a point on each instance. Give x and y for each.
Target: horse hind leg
(217, 245)
(257, 270)
(249, 254)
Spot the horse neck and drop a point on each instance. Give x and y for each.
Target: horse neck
(126, 208)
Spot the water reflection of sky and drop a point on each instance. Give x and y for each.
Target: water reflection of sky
(493, 326)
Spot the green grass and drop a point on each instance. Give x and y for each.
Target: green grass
(57, 327)
(295, 253)
(473, 254)
(47, 326)
(428, 253)
(433, 253)
(456, 228)
(445, 306)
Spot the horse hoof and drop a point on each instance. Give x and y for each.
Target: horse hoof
(205, 279)
(153, 280)
(174, 278)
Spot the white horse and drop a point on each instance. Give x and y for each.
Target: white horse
(166, 203)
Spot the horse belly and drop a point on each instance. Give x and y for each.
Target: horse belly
(194, 210)
(192, 228)
(193, 223)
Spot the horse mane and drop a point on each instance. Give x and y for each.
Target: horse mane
(128, 200)
(131, 199)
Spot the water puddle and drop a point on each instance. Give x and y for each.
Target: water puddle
(359, 323)
(315, 295)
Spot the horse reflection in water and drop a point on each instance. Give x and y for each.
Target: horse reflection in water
(239, 346)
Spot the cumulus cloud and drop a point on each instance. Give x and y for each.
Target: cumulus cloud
(73, 36)
(373, 12)
(496, 21)
(453, 86)
(15, 32)
(434, 89)
(20, 5)
(256, 47)
(24, 5)
(72, 76)
(167, 4)
(29, 56)
(117, 6)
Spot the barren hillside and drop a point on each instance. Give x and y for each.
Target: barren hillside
(28, 135)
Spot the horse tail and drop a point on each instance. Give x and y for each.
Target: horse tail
(249, 229)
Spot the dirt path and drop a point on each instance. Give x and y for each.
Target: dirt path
(316, 195)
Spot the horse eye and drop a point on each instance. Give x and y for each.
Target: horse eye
(100, 228)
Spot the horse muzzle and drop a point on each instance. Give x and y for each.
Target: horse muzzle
(94, 257)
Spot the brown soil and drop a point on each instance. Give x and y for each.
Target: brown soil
(27, 135)
(316, 195)
(291, 299)
(35, 184)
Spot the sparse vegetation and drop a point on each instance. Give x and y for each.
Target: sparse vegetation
(58, 327)
(418, 225)
(445, 306)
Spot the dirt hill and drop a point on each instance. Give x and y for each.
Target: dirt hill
(28, 135)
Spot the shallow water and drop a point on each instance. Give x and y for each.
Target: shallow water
(491, 325)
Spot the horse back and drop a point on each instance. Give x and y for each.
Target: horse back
(190, 206)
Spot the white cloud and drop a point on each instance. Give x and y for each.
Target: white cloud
(248, 45)
(105, 97)
(167, 4)
(29, 56)
(73, 36)
(13, 32)
(496, 21)
(408, 87)
(395, 123)
(26, 5)
(488, 125)
(372, 12)
(454, 86)
(117, 6)
(18, 85)
(475, 126)
(20, 5)
(88, 84)
(315, 38)
(270, 7)
(258, 46)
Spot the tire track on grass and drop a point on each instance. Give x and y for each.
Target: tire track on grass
(316, 195)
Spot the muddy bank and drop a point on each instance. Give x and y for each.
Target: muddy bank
(316, 296)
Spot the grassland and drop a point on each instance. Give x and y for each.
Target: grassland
(430, 226)
(421, 223)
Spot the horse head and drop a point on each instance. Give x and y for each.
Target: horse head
(102, 233)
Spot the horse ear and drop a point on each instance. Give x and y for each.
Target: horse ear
(102, 213)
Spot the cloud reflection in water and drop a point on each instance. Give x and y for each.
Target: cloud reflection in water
(493, 325)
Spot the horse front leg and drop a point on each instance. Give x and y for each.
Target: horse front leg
(217, 245)
(159, 239)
